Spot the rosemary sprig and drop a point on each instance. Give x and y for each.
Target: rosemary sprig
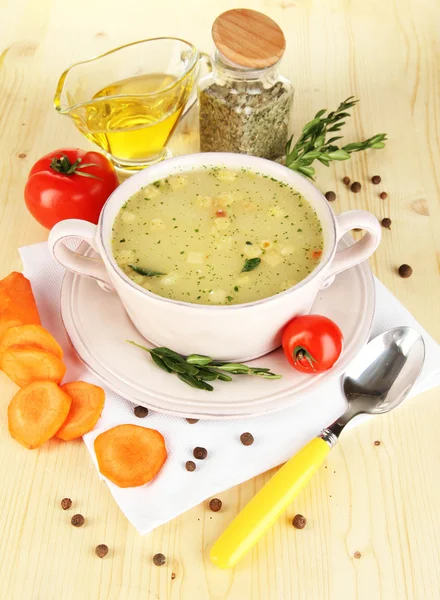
(196, 370)
(313, 143)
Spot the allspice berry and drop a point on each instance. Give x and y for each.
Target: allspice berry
(200, 453)
(346, 180)
(386, 222)
(299, 522)
(140, 411)
(383, 195)
(159, 559)
(331, 196)
(66, 503)
(405, 271)
(215, 504)
(190, 465)
(247, 439)
(192, 421)
(101, 550)
(355, 187)
(376, 179)
(77, 520)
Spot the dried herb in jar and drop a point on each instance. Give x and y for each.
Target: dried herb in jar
(245, 117)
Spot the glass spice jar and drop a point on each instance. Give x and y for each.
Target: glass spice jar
(245, 108)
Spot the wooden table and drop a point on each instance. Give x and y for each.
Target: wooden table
(373, 521)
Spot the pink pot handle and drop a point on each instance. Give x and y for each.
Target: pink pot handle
(354, 219)
(73, 261)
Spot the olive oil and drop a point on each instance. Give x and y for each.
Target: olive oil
(132, 119)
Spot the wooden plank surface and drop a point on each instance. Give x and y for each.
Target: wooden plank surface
(381, 501)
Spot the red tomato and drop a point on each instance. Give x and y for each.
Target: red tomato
(312, 343)
(69, 184)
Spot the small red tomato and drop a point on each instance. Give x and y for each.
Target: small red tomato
(312, 343)
(69, 184)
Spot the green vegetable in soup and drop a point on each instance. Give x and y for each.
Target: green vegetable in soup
(146, 272)
(250, 264)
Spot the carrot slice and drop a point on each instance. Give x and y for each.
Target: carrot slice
(87, 404)
(30, 335)
(36, 412)
(130, 455)
(24, 364)
(17, 302)
(5, 325)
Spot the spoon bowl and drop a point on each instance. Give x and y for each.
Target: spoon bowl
(377, 381)
(382, 374)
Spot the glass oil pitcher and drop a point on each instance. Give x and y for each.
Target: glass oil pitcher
(128, 101)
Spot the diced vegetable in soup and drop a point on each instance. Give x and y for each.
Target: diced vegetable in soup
(217, 236)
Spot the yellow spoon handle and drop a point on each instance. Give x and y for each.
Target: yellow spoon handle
(265, 508)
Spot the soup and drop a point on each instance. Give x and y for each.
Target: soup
(217, 236)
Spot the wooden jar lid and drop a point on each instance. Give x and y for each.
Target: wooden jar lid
(248, 38)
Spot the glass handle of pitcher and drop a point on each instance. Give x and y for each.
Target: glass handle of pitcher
(193, 96)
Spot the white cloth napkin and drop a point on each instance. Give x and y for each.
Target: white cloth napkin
(277, 436)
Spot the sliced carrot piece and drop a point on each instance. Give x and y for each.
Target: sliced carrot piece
(30, 335)
(87, 404)
(17, 302)
(130, 455)
(5, 325)
(24, 364)
(36, 412)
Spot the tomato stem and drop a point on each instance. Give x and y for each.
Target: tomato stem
(65, 167)
(299, 353)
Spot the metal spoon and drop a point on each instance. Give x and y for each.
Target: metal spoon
(377, 381)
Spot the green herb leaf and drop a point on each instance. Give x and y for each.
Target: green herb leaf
(198, 359)
(146, 272)
(338, 155)
(250, 264)
(160, 363)
(161, 351)
(194, 382)
(207, 375)
(174, 366)
(224, 377)
(235, 368)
